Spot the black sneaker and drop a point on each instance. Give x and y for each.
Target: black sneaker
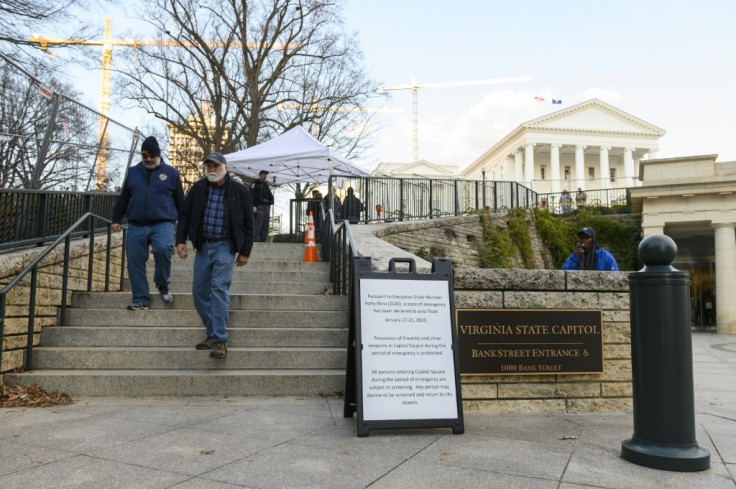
(219, 350)
(205, 344)
(137, 306)
(166, 296)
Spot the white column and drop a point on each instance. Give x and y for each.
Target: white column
(508, 163)
(605, 176)
(629, 167)
(554, 166)
(517, 167)
(580, 166)
(529, 165)
(725, 278)
(637, 162)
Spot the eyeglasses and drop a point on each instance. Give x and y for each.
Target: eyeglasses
(149, 157)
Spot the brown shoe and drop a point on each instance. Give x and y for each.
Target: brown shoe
(219, 350)
(205, 344)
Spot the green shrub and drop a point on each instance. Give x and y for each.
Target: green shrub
(496, 249)
(519, 234)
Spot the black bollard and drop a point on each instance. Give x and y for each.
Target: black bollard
(662, 364)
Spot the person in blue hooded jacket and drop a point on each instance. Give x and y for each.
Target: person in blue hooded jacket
(588, 256)
(150, 198)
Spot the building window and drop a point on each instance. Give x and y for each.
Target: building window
(567, 173)
(613, 174)
(541, 171)
(591, 173)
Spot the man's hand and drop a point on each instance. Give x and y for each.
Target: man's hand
(578, 251)
(255, 209)
(242, 260)
(115, 227)
(181, 250)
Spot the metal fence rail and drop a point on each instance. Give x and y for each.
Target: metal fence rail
(562, 203)
(29, 217)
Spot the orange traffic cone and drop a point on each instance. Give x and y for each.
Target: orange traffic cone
(310, 250)
(310, 225)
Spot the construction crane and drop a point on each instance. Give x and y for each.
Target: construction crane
(414, 87)
(107, 44)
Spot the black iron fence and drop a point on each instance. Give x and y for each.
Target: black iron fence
(32, 217)
(398, 199)
(565, 202)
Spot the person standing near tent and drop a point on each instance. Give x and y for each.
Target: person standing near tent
(217, 217)
(352, 207)
(313, 207)
(262, 202)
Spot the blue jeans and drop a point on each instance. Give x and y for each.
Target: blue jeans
(160, 237)
(213, 274)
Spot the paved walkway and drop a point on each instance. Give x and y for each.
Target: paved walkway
(220, 443)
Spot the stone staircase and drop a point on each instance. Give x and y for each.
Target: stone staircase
(287, 337)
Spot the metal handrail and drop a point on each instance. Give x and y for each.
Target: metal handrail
(32, 268)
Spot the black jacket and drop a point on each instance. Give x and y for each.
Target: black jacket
(260, 193)
(149, 196)
(240, 210)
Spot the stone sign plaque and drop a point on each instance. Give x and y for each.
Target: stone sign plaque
(529, 342)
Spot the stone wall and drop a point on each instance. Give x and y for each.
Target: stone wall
(552, 289)
(456, 238)
(48, 291)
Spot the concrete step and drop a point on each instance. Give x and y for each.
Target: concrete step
(156, 358)
(255, 287)
(245, 275)
(186, 382)
(254, 265)
(121, 336)
(183, 318)
(119, 300)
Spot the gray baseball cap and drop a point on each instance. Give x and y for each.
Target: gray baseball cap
(216, 158)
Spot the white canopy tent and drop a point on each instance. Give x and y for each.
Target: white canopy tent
(294, 156)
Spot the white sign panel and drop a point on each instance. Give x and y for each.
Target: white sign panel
(408, 369)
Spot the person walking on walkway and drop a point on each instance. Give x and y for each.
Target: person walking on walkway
(151, 196)
(262, 202)
(588, 256)
(217, 217)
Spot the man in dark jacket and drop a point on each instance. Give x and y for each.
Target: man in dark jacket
(352, 207)
(217, 217)
(150, 198)
(262, 201)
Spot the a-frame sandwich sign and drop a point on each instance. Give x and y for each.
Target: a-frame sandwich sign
(402, 367)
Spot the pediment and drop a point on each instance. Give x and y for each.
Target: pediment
(419, 167)
(594, 116)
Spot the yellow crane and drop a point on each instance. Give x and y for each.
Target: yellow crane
(415, 87)
(107, 44)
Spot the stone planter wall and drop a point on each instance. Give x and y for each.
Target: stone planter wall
(552, 289)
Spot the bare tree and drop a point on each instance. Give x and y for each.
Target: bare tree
(262, 66)
(25, 116)
(20, 19)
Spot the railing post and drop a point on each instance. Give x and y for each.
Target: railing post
(122, 260)
(42, 217)
(107, 257)
(31, 318)
(91, 264)
(65, 280)
(495, 195)
(457, 199)
(431, 200)
(401, 199)
(2, 327)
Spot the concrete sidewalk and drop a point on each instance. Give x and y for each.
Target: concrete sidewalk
(221, 443)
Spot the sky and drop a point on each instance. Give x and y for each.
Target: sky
(669, 62)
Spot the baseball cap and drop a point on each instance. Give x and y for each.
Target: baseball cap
(216, 158)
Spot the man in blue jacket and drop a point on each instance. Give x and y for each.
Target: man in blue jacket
(151, 196)
(588, 256)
